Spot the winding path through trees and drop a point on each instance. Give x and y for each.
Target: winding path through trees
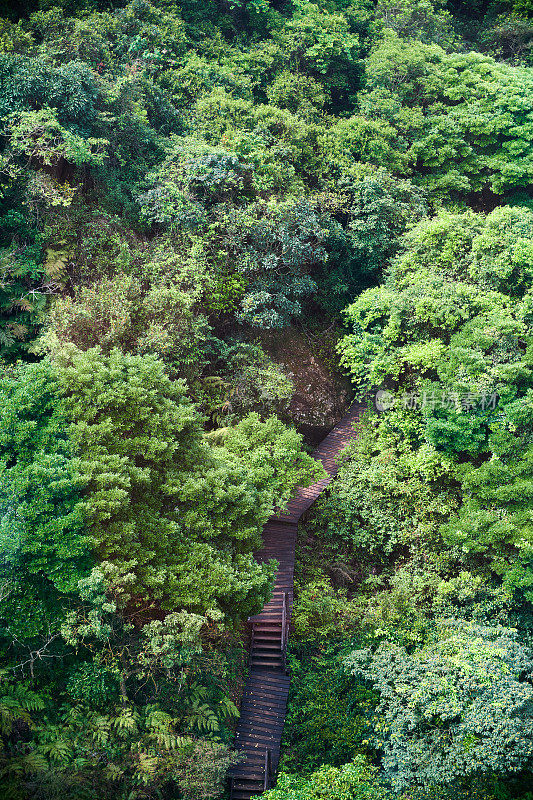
(264, 702)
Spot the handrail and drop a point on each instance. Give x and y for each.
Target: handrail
(268, 770)
(284, 631)
(251, 651)
(284, 620)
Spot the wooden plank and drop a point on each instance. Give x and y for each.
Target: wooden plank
(270, 731)
(266, 691)
(260, 711)
(264, 712)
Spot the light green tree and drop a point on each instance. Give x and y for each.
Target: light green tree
(457, 708)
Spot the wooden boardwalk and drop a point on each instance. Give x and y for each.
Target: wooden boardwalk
(264, 702)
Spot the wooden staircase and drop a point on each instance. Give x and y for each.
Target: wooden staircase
(258, 739)
(269, 641)
(264, 702)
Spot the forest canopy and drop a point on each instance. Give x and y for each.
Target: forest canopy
(220, 224)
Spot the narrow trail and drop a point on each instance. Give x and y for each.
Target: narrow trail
(264, 702)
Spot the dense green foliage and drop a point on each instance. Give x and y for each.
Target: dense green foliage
(187, 189)
(354, 781)
(45, 545)
(438, 706)
(431, 513)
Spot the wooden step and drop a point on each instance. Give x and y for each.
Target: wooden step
(263, 663)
